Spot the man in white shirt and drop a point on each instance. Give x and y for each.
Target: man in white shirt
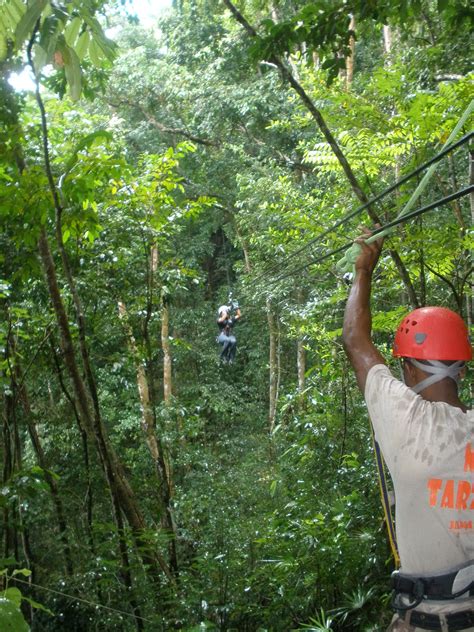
(426, 435)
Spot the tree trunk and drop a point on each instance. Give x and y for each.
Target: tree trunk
(165, 345)
(300, 351)
(273, 366)
(148, 418)
(167, 393)
(350, 60)
(85, 443)
(301, 364)
(387, 43)
(124, 571)
(113, 469)
(471, 182)
(148, 423)
(51, 481)
(7, 470)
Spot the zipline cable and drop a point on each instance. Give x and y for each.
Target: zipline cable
(89, 603)
(446, 150)
(352, 253)
(377, 232)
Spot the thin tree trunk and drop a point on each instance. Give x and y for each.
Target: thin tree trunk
(278, 352)
(273, 366)
(165, 345)
(456, 205)
(113, 469)
(301, 364)
(471, 181)
(18, 531)
(85, 442)
(387, 43)
(8, 531)
(350, 60)
(167, 378)
(51, 481)
(167, 488)
(147, 419)
(125, 573)
(167, 393)
(300, 352)
(245, 250)
(148, 424)
(167, 382)
(421, 259)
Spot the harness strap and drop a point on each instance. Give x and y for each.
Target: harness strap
(438, 371)
(447, 586)
(450, 622)
(384, 495)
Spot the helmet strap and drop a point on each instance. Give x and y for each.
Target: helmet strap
(438, 371)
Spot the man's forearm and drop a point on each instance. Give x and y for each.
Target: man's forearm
(357, 317)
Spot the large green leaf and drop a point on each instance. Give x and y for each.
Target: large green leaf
(3, 47)
(72, 68)
(11, 619)
(27, 23)
(72, 30)
(13, 594)
(82, 44)
(73, 75)
(87, 141)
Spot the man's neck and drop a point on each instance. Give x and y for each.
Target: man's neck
(432, 394)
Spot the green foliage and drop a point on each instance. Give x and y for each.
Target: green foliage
(323, 27)
(57, 34)
(11, 598)
(193, 152)
(11, 618)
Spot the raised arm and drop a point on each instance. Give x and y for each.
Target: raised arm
(357, 328)
(223, 316)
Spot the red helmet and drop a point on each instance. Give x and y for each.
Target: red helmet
(432, 333)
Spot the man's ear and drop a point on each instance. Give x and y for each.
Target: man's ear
(462, 372)
(410, 368)
(412, 375)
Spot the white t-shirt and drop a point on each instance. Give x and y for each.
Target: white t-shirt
(429, 450)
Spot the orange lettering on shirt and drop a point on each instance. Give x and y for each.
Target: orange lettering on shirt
(464, 491)
(460, 524)
(469, 459)
(434, 485)
(447, 500)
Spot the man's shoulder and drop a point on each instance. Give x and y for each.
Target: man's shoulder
(382, 386)
(379, 371)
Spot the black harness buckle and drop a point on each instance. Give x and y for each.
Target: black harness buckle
(411, 587)
(410, 590)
